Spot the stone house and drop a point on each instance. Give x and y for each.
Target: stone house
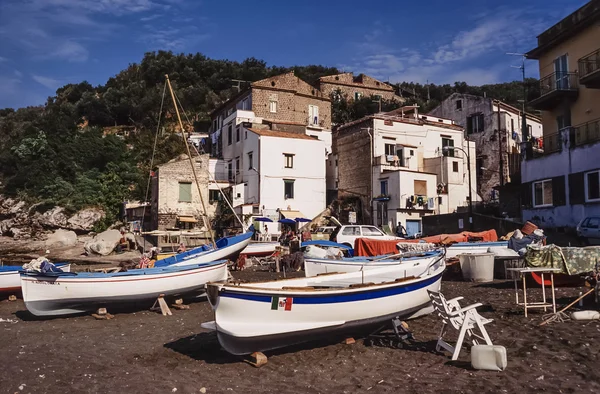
(480, 117)
(355, 87)
(175, 199)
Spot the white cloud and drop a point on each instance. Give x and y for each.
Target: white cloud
(71, 51)
(469, 55)
(18, 74)
(50, 83)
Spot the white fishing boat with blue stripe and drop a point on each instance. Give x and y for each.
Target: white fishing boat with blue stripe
(63, 293)
(269, 315)
(403, 261)
(10, 280)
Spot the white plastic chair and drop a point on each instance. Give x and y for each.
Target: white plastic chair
(465, 320)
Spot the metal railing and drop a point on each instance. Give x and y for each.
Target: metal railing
(558, 81)
(587, 133)
(589, 64)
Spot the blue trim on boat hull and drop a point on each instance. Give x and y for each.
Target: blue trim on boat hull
(361, 295)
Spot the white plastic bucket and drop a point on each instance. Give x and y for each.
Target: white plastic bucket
(478, 267)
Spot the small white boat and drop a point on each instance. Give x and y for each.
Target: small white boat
(475, 247)
(10, 280)
(407, 262)
(227, 248)
(54, 294)
(260, 248)
(269, 315)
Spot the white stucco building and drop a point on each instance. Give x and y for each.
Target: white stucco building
(273, 173)
(395, 163)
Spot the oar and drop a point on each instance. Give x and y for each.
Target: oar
(557, 316)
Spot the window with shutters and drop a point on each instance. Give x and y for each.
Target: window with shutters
(273, 107)
(592, 186)
(237, 134)
(542, 193)
(390, 149)
(448, 142)
(185, 191)
(474, 123)
(288, 160)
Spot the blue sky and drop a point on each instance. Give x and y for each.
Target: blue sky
(47, 43)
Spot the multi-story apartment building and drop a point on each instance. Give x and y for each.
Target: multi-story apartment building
(355, 87)
(395, 163)
(561, 175)
(480, 117)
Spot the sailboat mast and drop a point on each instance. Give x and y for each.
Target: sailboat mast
(187, 147)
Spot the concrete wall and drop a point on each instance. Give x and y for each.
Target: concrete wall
(568, 161)
(586, 107)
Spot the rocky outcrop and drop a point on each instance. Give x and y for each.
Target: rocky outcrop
(84, 220)
(103, 243)
(21, 220)
(54, 218)
(61, 239)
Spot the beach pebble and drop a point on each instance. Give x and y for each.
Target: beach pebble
(534, 347)
(203, 390)
(22, 386)
(541, 377)
(174, 389)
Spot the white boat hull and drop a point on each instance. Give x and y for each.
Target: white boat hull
(265, 316)
(10, 281)
(65, 295)
(260, 248)
(314, 267)
(190, 258)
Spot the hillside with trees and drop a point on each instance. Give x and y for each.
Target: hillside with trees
(67, 153)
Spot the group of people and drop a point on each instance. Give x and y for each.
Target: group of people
(289, 234)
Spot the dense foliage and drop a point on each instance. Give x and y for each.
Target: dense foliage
(67, 152)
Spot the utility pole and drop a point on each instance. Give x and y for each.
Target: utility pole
(524, 130)
(500, 135)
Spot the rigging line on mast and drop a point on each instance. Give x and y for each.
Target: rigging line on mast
(187, 147)
(223, 194)
(208, 171)
(162, 102)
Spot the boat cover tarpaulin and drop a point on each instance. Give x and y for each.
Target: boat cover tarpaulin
(374, 247)
(571, 261)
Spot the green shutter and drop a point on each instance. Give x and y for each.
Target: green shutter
(185, 192)
(558, 191)
(576, 188)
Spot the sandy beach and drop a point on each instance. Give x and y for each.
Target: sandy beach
(142, 351)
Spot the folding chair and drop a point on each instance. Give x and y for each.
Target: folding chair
(465, 320)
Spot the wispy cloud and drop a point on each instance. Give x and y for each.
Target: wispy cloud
(50, 83)
(496, 31)
(150, 17)
(172, 38)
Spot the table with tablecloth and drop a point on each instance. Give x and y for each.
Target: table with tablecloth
(569, 260)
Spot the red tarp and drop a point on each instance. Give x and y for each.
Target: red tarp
(374, 247)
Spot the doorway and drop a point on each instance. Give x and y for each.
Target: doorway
(413, 227)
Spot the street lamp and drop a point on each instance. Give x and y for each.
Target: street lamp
(445, 149)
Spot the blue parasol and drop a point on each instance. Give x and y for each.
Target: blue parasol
(287, 221)
(263, 220)
(303, 220)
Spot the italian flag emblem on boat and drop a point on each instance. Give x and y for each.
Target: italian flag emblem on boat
(285, 303)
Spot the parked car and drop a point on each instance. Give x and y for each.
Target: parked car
(588, 230)
(323, 232)
(347, 234)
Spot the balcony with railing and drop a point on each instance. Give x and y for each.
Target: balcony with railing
(587, 133)
(555, 89)
(589, 70)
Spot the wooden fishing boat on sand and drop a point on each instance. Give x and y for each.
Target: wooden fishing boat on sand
(64, 293)
(269, 315)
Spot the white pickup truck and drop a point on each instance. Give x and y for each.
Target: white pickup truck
(347, 234)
